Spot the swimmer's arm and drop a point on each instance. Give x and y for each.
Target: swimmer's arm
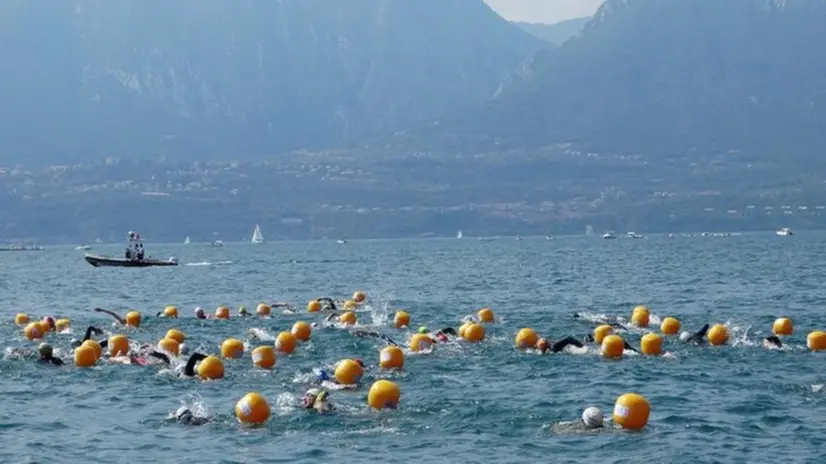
(630, 348)
(55, 361)
(91, 330)
(330, 317)
(160, 356)
(189, 370)
(388, 340)
(449, 331)
(113, 314)
(560, 345)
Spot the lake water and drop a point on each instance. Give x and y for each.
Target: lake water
(462, 403)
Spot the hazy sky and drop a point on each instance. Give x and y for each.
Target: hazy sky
(544, 11)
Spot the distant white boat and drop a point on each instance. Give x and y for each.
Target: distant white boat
(784, 231)
(518, 238)
(633, 235)
(341, 241)
(257, 237)
(609, 236)
(83, 247)
(485, 239)
(217, 243)
(459, 234)
(186, 240)
(589, 230)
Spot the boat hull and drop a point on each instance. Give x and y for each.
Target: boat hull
(108, 261)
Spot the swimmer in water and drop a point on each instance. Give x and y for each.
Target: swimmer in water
(318, 399)
(88, 335)
(46, 355)
(326, 377)
(613, 321)
(443, 336)
(697, 338)
(242, 311)
(544, 345)
(287, 308)
(772, 342)
(327, 304)
(185, 415)
(188, 369)
(592, 420)
(200, 314)
(368, 333)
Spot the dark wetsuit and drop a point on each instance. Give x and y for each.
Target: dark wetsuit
(699, 337)
(88, 336)
(365, 333)
(189, 369)
(50, 360)
(185, 416)
(327, 304)
(606, 320)
(774, 341)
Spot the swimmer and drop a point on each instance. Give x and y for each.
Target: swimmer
(443, 336)
(242, 311)
(772, 342)
(88, 335)
(613, 321)
(697, 338)
(367, 333)
(327, 304)
(317, 399)
(185, 415)
(592, 420)
(544, 345)
(327, 379)
(200, 314)
(288, 308)
(255, 333)
(188, 369)
(46, 355)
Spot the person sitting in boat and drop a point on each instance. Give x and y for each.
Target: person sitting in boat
(140, 252)
(128, 253)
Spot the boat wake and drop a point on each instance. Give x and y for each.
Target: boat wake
(209, 263)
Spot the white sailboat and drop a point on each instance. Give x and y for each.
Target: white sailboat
(186, 240)
(459, 235)
(257, 237)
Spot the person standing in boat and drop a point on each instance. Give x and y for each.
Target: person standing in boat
(140, 252)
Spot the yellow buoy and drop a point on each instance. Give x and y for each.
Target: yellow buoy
(285, 342)
(350, 304)
(232, 348)
(176, 335)
(391, 357)
(348, 318)
(419, 342)
(464, 327)
(21, 319)
(264, 357)
(348, 372)
(402, 319)
(33, 331)
(170, 345)
(670, 326)
(651, 344)
(95, 346)
(526, 338)
(474, 333)
(252, 409)
(170, 311)
(263, 310)
(717, 335)
(612, 346)
(302, 331)
(85, 356)
(314, 306)
(384, 394)
(211, 368)
(631, 411)
(222, 312)
(44, 327)
(118, 345)
(639, 309)
(816, 341)
(641, 316)
(359, 297)
(602, 331)
(782, 326)
(48, 324)
(133, 319)
(62, 324)
(485, 315)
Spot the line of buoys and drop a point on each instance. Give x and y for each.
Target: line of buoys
(169, 345)
(526, 338)
(602, 331)
(263, 310)
(285, 342)
(402, 319)
(252, 409)
(391, 357)
(485, 315)
(301, 331)
(384, 394)
(264, 357)
(118, 345)
(171, 312)
(222, 312)
(133, 319)
(232, 348)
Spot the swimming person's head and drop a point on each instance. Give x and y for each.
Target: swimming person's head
(772, 341)
(684, 336)
(183, 413)
(592, 417)
(310, 397)
(45, 350)
(423, 330)
(543, 345)
(199, 313)
(242, 311)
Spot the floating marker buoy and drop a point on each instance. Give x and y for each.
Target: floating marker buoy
(631, 411)
(717, 335)
(391, 357)
(252, 409)
(384, 394)
(526, 338)
(402, 319)
(782, 326)
(232, 348)
(485, 315)
(670, 326)
(264, 357)
(285, 342)
(612, 346)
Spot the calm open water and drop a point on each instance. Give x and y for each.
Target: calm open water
(463, 403)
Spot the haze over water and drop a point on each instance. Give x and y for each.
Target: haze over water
(468, 403)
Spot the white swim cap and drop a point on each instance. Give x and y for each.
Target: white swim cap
(182, 412)
(183, 348)
(685, 336)
(592, 417)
